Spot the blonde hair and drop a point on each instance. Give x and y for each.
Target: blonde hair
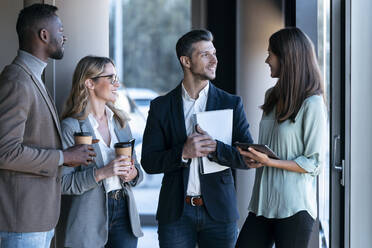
(77, 104)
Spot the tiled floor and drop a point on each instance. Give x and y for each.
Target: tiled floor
(150, 238)
(147, 200)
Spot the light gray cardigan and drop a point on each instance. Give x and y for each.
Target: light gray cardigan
(86, 216)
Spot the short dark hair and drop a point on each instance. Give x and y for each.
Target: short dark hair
(31, 18)
(184, 44)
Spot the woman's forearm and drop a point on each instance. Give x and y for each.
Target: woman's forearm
(288, 165)
(100, 174)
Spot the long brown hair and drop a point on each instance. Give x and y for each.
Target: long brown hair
(77, 104)
(299, 75)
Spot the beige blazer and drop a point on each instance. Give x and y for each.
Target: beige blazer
(30, 135)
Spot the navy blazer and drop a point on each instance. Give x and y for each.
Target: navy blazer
(163, 140)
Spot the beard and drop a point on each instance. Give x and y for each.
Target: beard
(57, 55)
(201, 75)
(58, 52)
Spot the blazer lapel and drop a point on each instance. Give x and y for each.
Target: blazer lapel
(120, 135)
(212, 100)
(45, 94)
(177, 114)
(49, 101)
(178, 118)
(86, 127)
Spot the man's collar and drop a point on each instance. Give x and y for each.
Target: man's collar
(35, 64)
(203, 92)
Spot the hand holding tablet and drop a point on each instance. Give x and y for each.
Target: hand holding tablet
(258, 147)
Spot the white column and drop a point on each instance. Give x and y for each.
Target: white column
(9, 40)
(118, 37)
(86, 25)
(256, 21)
(359, 123)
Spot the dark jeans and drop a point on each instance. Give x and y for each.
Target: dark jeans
(195, 226)
(261, 232)
(120, 233)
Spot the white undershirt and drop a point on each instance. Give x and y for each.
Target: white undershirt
(107, 152)
(191, 107)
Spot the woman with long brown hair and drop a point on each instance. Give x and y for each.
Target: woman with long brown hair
(283, 206)
(103, 212)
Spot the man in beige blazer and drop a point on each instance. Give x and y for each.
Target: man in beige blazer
(30, 137)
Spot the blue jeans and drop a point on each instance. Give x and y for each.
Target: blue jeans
(120, 232)
(195, 226)
(29, 240)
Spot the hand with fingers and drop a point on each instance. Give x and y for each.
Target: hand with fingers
(78, 155)
(253, 158)
(198, 144)
(131, 173)
(117, 167)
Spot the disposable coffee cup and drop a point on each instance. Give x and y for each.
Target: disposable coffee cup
(125, 148)
(83, 138)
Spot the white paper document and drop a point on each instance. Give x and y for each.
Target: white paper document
(218, 124)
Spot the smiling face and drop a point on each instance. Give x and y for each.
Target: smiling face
(105, 85)
(273, 61)
(56, 38)
(203, 61)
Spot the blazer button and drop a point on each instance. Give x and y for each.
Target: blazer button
(57, 180)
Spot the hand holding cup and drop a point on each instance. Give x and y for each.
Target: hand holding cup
(83, 152)
(125, 149)
(117, 167)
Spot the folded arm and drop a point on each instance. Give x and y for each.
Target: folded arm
(75, 181)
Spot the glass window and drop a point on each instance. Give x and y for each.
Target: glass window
(143, 36)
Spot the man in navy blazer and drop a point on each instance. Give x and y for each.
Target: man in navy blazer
(194, 208)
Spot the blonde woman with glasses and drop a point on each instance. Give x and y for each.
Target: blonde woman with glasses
(102, 210)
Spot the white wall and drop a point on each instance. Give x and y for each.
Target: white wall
(361, 125)
(253, 75)
(9, 10)
(86, 25)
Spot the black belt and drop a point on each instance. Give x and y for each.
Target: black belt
(116, 194)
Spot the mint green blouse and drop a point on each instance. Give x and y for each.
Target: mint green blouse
(279, 193)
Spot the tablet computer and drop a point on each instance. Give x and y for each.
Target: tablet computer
(258, 147)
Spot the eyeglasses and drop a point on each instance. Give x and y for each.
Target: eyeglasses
(113, 78)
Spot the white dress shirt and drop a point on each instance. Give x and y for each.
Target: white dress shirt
(107, 152)
(191, 107)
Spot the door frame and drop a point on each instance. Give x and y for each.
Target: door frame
(340, 125)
